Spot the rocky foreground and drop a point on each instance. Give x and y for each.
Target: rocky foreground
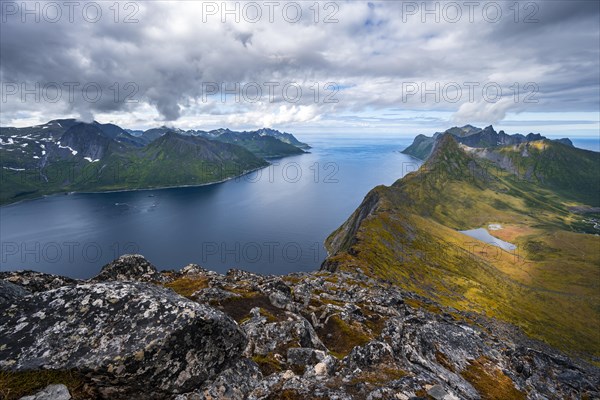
(135, 333)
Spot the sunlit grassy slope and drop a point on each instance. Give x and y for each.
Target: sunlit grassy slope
(550, 286)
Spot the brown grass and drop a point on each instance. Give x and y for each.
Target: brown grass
(490, 381)
(239, 308)
(188, 286)
(341, 337)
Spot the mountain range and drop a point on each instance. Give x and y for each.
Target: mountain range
(539, 195)
(67, 155)
(471, 136)
(268, 143)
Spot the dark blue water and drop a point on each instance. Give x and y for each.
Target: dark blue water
(273, 221)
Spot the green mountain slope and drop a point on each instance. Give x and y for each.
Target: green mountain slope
(421, 147)
(174, 160)
(571, 172)
(550, 286)
(260, 145)
(85, 158)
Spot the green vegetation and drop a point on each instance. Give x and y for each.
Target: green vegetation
(550, 287)
(570, 172)
(169, 161)
(261, 146)
(239, 308)
(267, 364)
(444, 361)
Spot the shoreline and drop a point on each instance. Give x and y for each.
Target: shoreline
(132, 190)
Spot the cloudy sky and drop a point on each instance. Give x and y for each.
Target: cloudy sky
(345, 67)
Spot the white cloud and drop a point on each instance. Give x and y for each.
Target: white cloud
(483, 112)
(271, 118)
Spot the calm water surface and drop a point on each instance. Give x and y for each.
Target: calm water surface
(483, 235)
(273, 221)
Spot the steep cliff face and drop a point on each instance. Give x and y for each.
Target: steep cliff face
(88, 140)
(345, 236)
(420, 148)
(246, 336)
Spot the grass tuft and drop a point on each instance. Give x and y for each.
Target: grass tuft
(491, 382)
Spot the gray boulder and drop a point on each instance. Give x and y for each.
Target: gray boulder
(215, 294)
(234, 383)
(374, 353)
(51, 392)
(123, 334)
(304, 356)
(11, 293)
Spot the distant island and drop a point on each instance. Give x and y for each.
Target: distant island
(68, 155)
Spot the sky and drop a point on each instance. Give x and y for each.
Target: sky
(339, 67)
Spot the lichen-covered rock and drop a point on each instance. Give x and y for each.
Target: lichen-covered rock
(212, 294)
(129, 267)
(36, 281)
(265, 337)
(304, 356)
(11, 293)
(234, 383)
(305, 335)
(51, 392)
(280, 294)
(193, 269)
(374, 353)
(128, 337)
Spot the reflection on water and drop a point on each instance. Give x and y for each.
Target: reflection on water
(483, 235)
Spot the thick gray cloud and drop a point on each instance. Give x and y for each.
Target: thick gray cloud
(376, 52)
